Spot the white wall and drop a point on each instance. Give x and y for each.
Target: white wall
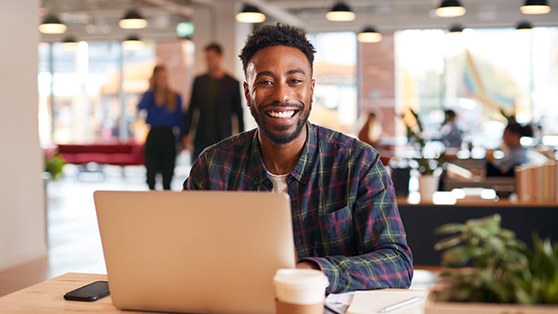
(22, 213)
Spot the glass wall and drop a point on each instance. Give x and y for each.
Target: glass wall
(480, 74)
(82, 97)
(335, 94)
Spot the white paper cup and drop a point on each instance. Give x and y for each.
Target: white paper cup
(300, 290)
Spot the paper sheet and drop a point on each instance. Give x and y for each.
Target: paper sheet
(373, 301)
(338, 303)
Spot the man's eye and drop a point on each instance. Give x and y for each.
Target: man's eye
(295, 81)
(264, 83)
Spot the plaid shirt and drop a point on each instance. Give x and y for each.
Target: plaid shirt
(344, 211)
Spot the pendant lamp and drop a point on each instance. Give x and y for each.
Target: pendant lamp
(450, 8)
(250, 14)
(132, 20)
(52, 25)
(340, 12)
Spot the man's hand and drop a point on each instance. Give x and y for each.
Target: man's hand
(307, 265)
(187, 143)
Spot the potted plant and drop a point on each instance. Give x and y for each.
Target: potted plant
(426, 161)
(53, 164)
(490, 271)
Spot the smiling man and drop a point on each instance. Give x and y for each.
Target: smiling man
(345, 217)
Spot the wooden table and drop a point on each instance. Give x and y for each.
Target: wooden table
(48, 297)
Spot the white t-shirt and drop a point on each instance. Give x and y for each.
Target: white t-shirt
(279, 182)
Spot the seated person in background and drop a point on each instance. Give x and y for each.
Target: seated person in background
(345, 217)
(516, 154)
(451, 134)
(371, 131)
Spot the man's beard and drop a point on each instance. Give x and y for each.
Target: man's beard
(282, 137)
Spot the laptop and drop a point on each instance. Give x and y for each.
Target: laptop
(194, 251)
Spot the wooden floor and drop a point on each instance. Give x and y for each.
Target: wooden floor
(73, 236)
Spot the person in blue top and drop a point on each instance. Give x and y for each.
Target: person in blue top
(164, 116)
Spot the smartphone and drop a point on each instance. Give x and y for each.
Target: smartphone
(90, 292)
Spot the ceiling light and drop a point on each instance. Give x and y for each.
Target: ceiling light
(524, 26)
(340, 12)
(52, 25)
(133, 20)
(369, 35)
(133, 43)
(250, 14)
(450, 8)
(69, 41)
(535, 7)
(456, 29)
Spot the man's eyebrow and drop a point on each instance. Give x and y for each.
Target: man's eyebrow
(265, 73)
(290, 72)
(296, 71)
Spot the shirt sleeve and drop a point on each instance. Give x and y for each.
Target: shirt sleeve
(145, 101)
(385, 259)
(197, 180)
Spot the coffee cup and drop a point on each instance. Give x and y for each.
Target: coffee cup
(299, 291)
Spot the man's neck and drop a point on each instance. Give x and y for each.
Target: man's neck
(216, 73)
(281, 158)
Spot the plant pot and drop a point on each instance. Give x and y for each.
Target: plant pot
(428, 184)
(437, 307)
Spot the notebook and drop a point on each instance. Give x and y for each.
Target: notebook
(195, 251)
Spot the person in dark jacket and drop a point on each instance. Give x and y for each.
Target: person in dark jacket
(214, 103)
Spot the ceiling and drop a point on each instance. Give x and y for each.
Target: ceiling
(98, 19)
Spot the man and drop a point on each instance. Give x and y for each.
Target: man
(345, 217)
(214, 102)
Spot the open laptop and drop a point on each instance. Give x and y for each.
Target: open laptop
(195, 251)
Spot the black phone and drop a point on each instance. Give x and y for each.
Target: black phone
(90, 292)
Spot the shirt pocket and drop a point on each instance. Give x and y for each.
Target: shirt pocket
(337, 232)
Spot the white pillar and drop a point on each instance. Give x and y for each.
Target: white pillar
(22, 213)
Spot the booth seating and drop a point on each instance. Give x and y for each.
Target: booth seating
(119, 154)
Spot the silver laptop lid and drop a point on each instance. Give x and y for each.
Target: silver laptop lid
(194, 251)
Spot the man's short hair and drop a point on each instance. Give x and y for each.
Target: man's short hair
(217, 48)
(277, 35)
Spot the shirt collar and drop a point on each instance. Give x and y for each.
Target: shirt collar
(303, 168)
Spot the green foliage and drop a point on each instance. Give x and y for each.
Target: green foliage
(502, 268)
(425, 163)
(53, 165)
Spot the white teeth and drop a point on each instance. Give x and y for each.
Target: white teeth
(281, 114)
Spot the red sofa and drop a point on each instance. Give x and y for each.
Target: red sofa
(119, 154)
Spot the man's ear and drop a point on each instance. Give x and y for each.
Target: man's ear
(312, 86)
(246, 93)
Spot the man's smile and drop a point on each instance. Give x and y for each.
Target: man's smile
(281, 113)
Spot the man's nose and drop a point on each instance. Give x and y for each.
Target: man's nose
(281, 93)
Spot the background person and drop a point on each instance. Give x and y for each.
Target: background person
(164, 116)
(515, 155)
(371, 131)
(451, 134)
(215, 101)
(344, 211)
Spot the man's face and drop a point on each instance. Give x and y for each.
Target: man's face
(212, 59)
(279, 89)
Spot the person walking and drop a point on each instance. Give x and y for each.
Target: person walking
(214, 102)
(164, 117)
